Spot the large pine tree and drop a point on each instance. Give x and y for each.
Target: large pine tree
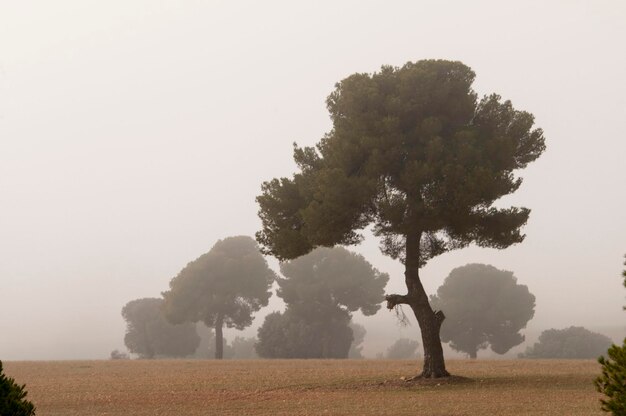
(415, 153)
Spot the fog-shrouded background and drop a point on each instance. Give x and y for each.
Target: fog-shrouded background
(135, 134)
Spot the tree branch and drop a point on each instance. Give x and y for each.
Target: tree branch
(394, 300)
(439, 317)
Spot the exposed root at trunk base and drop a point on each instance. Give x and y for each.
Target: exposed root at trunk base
(430, 381)
(433, 375)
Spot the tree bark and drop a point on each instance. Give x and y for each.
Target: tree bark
(219, 337)
(428, 320)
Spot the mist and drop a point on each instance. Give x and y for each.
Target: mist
(134, 135)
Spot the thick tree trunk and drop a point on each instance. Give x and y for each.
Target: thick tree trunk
(219, 337)
(473, 354)
(429, 321)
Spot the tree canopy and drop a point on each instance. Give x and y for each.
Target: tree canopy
(411, 149)
(329, 278)
(572, 342)
(484, 307)
(222, 287)
(417, 155)
(289, 335)
(321, 290)
(149, 334)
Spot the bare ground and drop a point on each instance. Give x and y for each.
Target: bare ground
(307, 387)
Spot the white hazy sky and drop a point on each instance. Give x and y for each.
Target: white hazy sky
(134, 134)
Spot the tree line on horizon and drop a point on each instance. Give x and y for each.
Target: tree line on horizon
(486, 308)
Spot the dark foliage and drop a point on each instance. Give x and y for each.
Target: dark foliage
(484, 307)
(13, 400)
(612, 382)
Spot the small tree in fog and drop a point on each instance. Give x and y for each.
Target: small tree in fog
(321, 290)
(358, 335)
(222, 287)
(484, 307)
(572, 342)
(119, 355)
(402, 349)
(289, 335)
(149, 334)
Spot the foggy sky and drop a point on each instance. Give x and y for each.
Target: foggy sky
(135, 134)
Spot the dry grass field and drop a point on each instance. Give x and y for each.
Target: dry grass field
(306, 387)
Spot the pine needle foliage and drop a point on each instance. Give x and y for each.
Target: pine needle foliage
(13, 397)
(612, 382)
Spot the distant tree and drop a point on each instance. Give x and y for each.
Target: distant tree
(13, 400)
(278, 337)
(329, 278)
(484, 307)
(149, 334)
(612, 382)
(572, 342)
(118, 355)
(321, 290)
(243, 348)
(402, 349)
(289, 335)
(358, 335)
(222, 287)
(414, 152)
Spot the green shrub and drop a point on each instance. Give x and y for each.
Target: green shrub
(12, 398)
(612, 382)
